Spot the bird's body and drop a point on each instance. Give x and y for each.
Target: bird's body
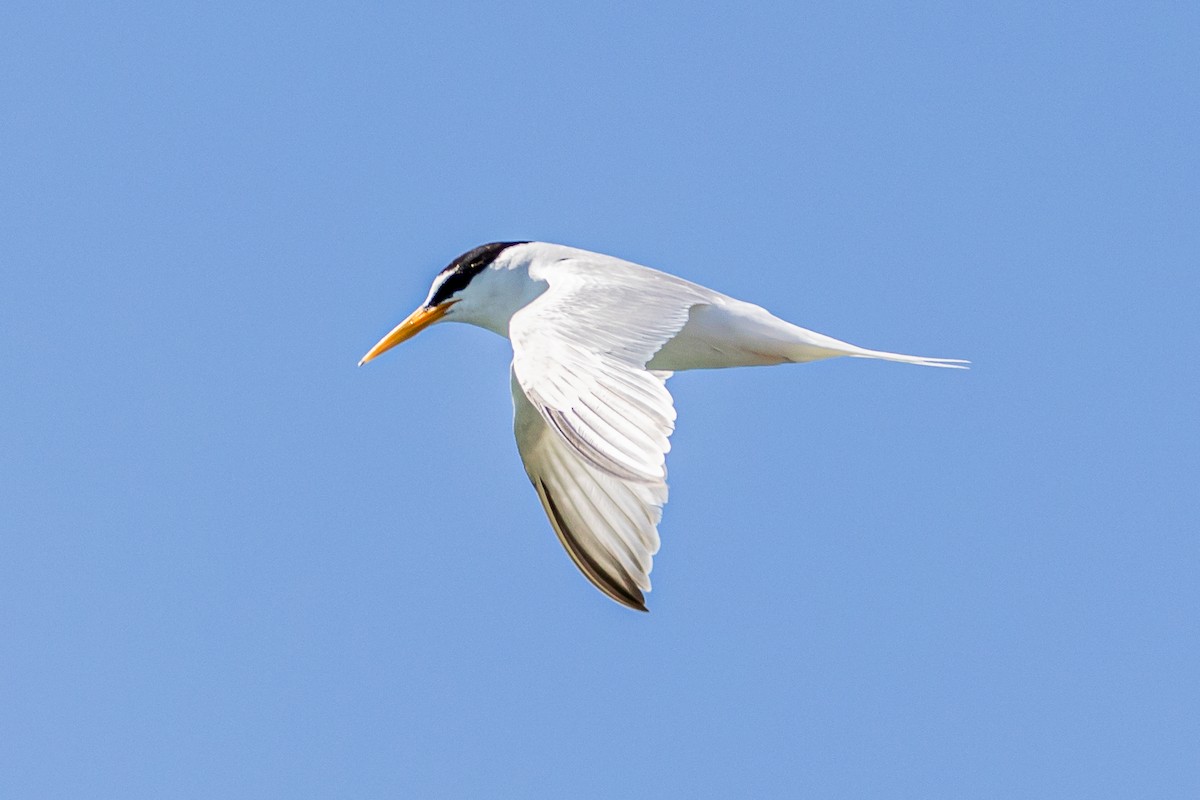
(594, 340)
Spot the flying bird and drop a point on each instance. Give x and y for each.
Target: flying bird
(594, 340)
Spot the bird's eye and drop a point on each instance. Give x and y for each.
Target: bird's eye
(449, 284)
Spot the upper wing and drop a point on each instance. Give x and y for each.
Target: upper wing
(580, 352)
(592, 423)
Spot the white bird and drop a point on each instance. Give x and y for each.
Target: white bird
(594, 341)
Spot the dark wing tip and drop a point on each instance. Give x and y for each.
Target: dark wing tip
(618, 587)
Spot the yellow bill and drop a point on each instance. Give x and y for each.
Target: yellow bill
(413, 324)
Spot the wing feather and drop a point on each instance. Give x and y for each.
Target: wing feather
(580, 352)
(592, 423)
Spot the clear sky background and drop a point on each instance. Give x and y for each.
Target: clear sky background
(234, 565)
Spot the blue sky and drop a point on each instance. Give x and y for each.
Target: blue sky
(234, 565)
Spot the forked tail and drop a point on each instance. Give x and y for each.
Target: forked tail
(731, 333)
(946, 363)
(806, 345)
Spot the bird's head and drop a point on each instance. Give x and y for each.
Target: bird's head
(458, 293)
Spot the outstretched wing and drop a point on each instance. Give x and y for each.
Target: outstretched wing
(608, 525)
(592, 423)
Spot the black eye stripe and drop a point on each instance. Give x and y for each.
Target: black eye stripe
(456, 280)
(462, 269)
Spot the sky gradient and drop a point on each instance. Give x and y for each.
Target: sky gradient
(234, 565)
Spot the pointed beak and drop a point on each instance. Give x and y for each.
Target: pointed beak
(413, 324)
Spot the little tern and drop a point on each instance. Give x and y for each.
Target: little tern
(594, 340)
